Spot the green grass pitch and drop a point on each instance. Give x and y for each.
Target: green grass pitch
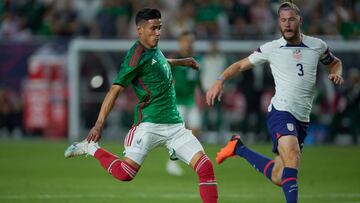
(36, 172)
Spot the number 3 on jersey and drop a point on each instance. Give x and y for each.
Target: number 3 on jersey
(301, 69)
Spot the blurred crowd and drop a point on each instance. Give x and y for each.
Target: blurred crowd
(224, 19)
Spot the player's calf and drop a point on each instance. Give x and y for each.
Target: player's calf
(207, 183)
(121, 170)
(277, 171)
(290, 154)
(235, 147)
(290, 184)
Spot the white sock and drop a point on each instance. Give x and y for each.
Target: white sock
(92, 148)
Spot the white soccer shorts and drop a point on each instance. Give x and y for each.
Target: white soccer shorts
(179, 141)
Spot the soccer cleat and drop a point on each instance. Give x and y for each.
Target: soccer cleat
(77, 149)
(229, 149)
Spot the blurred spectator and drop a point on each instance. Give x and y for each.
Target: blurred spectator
(262, 17)
(206, 17)
(32, 11)
(233, 109)
(212, 65)
(183, 20)
(87, 11)
(238, 17)
(337, 20)
(112, 20)
(348, 118)
(46, 25)
(13, 26)
(10, 114)
(186, 83)
(252, 96)
(65, 19)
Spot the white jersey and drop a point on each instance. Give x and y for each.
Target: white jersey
(294, 70)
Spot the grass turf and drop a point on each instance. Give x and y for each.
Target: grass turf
(35, 171)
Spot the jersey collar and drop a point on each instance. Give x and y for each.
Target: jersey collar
(138, 41)
(285, 44)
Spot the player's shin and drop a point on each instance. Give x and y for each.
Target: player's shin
(112, 164)
(261, 163)
(290, 185)
(207, 182)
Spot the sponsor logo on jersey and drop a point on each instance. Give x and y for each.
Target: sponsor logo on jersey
(153, 61)
(290, 126)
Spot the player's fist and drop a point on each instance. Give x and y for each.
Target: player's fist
(337, 79)
(94, 134)
(190, 61)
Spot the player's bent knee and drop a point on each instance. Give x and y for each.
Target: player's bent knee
(196, 158)
(122, 170)
(277, 171)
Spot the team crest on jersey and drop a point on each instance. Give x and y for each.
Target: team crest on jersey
(297, 54)
(290, 126)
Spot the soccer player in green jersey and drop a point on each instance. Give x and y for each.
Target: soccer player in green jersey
(186, 81)
(157, 121)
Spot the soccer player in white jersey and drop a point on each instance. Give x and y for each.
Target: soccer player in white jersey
(293, 60)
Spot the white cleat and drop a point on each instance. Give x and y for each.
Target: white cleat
(77, 149)
(173, 168)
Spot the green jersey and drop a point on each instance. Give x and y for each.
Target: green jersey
(186, 80)
(149, 74)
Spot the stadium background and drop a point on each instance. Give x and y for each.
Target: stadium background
(35, 37)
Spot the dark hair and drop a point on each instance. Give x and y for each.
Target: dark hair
(289, 5)
(186, 33)
(147, 14)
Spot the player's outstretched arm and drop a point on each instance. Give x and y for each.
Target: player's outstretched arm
(106, 107)
(335, 71)
(189, 61)
(216, 90)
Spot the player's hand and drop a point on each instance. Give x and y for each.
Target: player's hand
(191, 62)
(214, 92)
(337, 79)
(94, 134)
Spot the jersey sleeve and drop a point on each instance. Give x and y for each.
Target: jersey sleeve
(326, 56)
(261, 54)
(129, 67)
(125, 75)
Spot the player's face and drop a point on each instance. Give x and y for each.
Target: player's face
(149, 32)
(289, 23)
(186, 43)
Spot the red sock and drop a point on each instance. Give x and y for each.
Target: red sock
(112, 164)
(207, 182)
